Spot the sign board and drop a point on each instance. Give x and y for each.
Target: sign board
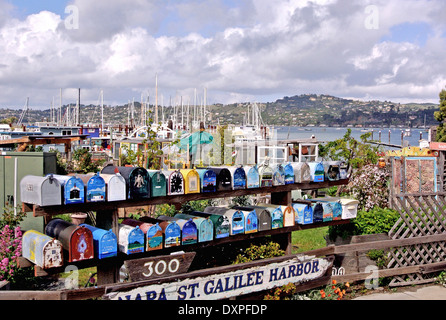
(240, 280)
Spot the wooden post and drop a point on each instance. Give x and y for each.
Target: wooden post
(285, 239)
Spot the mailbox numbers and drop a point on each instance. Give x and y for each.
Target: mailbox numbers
(160, 267)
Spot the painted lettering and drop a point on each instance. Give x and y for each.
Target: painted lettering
(273, 274)
(208, 290)
(181, 294)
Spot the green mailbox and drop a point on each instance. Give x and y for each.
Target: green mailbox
(158, 186)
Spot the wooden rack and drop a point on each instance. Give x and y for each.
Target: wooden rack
(107, 218)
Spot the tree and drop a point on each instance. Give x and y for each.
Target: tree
(441, 116)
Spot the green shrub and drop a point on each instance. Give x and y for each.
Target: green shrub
(256, 252)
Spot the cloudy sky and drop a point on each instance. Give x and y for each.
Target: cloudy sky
(239, 50)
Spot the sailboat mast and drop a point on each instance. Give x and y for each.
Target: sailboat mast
(156, 98)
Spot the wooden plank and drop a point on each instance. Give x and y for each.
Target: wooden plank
(30, 295)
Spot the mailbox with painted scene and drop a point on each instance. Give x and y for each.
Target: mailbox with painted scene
(76, 240)
(205, 226)
(171, 230)
(191, 181)
(42, 191)
(224, 178)
(220, 222)
(175, 182)
(94, 187)
(158, 187)
(251, 219)
(137, 180)
(105, 242)
(263, 215)
(317, 171)
(289, 173)
(302, 172)
(236, 218)
(238, 177)
(152, 231)
(335, 205)
(208, 180)
(265, 176)
(318, 212)
(289, 216)
(42, 250)
(304, 213)
(73, 188)
(115, 187)
(252, 177)
(278, 175)
(130, 239)
(189, 230)
(332, 170)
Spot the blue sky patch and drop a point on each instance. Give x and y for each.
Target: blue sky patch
(416, 33)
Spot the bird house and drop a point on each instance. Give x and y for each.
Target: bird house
(42, 250)
(302, 172)
(42, 191)
(105, 242)
(137, 180)
(289, 173)
(175, 182)
(95, 187)
(236, 218)
(252, 177)
(278, 175)
(304, 213)
(238, 177)
(208, 180)
(224, 178)
(220, 222)
(76, 240)
(130, 239)
(158, 187)
(73, 189)
(317, 171)
(115, 187)
(191, 181)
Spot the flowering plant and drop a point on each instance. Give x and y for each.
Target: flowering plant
(334, 291)
(10, 250)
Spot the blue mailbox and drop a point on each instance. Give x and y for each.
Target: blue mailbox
(105, 242)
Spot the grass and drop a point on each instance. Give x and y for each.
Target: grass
(305, 240)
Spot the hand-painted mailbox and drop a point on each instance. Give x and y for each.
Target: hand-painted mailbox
(289, 216)
(158, 187)
(224, 178)
(205, 226)
(304, 213)
(343, 170)
(332, 170)
(263, 215)
(238, 177)
(42, 250)
(252, 177)
(115, 187)
(42, 191)
(265, 176)
(327, 210)
(289, 173)
(220, 222)
(317, 171)
(175, 182)
(276, 216)
(153, 233)
(302, 172)
(105, 242)
(189, 230)
(278, 175)
(251, 219)
(73, 189)
(95, 187)
(318, 212)
(171, 230)
(208, 180)
(130, 239)
(137, 180)
(191, 181)
(76, 240)
(236, 218)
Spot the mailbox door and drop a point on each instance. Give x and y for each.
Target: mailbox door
(237, 223)
(96, 189)
(224, 179)
(251, 221)
(239, 179)
(327, 212)
(189, 233)
(159, 186)
(318, 212)
(277, 218)
(135, 241)
(52, 254)
(337, 210)
(264, 219)
(289, 174)
(252, 178)
(74, 191)
(266, 177)
(208, 181)
(289, 216)
(115, 186)
(279, 176)
(139, 184)
(221, 226)
(154, 238)
(205, 230)
(81, 245)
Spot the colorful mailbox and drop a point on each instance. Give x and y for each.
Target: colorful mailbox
(76, 240)
(158, 187)
(42, 191)
(289, 216)
(317, 171)
(172, 232)
(208, 180)
(327, 210)
(115, 187)
(191, 181)
(224, 178)
(205, 226)
(42, 250)
(236, 218)
(265, 176)
(318, 212)
(73, 189)
(332, 170)
(251, 219)
(220, 222)
(137, 180)
(175, 182)
(304, 213)
(252, 177)
(105, 242)
(130, 239)
(278, 175)
(153, 233)
(189, 230)
(302, 172)
(94, 187)
(238, 177)
(289, 173)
